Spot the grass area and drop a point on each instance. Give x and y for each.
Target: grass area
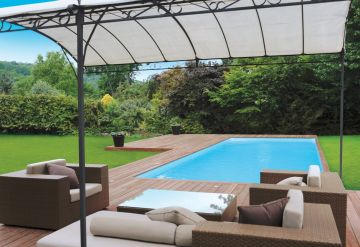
(351, 158)
(18, 150)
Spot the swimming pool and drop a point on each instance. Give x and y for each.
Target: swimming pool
(241, 160)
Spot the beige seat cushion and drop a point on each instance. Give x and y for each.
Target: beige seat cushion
(183, 235)
(291, 181)
(294, 210)
(69, 235)
(91, 189)
(176, 215)
(40, 167)
(314, 176)
(143, 230)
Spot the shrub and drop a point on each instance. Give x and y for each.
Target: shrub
(124, 116)
(107, 100)
(46, 114)
(43, 88)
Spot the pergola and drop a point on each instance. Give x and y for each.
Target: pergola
(115, 32)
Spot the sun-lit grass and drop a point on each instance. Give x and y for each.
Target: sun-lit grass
(18, 150)
(351, 158)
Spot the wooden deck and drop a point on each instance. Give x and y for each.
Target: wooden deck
(123, 185)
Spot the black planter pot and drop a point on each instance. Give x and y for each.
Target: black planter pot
(118, 140)
(176, 129)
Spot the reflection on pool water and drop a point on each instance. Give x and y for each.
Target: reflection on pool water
(210, 203)
(241, 160)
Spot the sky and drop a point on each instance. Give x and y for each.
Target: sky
(25, 46)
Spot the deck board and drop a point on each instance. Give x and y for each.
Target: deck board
(124, 185)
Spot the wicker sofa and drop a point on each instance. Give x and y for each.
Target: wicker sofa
(220, 234)
(331, 192)
(212, 234)
(44, 201)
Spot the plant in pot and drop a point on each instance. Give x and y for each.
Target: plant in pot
(118, 138)
(175, 126)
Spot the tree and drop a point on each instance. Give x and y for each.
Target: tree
(183, 94)
(7, 79)
(55, 70)
(43, 88)
(114, 76)
(22, 86)
(189, 93)
(288, 98)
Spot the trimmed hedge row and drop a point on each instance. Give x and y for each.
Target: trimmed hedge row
(46, 114)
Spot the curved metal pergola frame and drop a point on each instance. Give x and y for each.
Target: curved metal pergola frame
(139, 10)
(77, 16)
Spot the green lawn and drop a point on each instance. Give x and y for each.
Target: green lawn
(351, 159)
(18, 150)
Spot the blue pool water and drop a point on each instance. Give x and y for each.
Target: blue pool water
(241, 160)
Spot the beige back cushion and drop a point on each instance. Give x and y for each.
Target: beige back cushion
(135, 229)
(176, 215)
(294, 210)
(183, 235)
(314, 176)
(40, 167)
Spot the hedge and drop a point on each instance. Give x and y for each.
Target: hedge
(46, 114)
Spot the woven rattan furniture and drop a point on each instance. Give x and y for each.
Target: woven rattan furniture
(319, 229)
(331, 192)
(43, 201)
(211, 206)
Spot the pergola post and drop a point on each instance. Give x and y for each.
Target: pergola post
(81, 120)
(342, 91)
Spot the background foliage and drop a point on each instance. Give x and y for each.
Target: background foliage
(45, 114)
(297, 95)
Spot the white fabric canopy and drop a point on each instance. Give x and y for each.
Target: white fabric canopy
(140, 32)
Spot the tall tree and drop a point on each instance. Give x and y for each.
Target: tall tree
(7, 79)
(55, 70)
(114, 76)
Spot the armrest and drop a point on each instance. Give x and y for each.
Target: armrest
(19, 189)
(275, 176)
(228, 234)
(263, 193)
(96, 174)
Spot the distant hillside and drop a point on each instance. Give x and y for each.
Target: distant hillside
(22, 69)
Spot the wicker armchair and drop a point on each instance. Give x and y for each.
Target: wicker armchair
(319, 229)
(332, 192)
(44, 201)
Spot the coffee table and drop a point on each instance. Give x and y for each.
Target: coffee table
(211, 206)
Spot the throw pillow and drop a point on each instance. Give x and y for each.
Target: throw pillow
(268, 214)
(176, 215)
(64, 171)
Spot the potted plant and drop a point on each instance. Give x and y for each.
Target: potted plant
(175, 126)
(176, 129)
(118, 138)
